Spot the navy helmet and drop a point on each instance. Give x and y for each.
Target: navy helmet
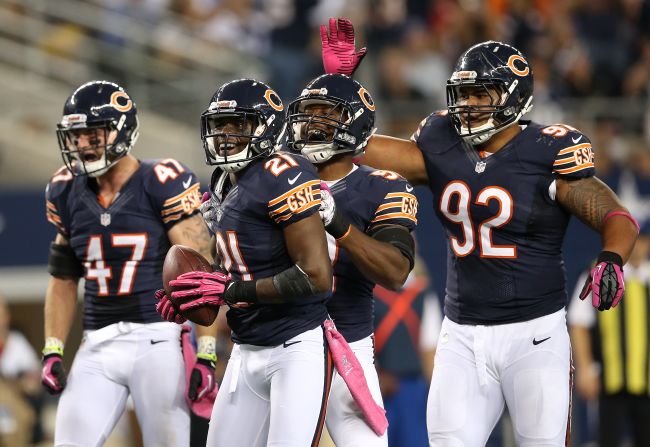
(334, 114)
(104, 108)
(499, 71)
(242, 111)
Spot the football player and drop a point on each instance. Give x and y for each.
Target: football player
(116, 217)
(271, 243)
(504, 190)
(369, 216)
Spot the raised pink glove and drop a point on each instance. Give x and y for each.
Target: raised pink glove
(53, 374)
(166, 309)
(605, 282)
(201, 289)
(338, 47)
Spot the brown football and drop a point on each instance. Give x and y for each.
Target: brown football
(181, 259)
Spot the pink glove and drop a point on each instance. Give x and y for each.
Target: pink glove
(53, 374)
(202, 406)
(202, 380)
(338, 47)
(605, 282)
(203, 289)
(166, 309)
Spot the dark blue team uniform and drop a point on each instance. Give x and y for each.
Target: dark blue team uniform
(505, 230)
(368, 198)
(270, 194)
(123, 246)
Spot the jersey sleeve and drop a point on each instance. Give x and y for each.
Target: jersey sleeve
(574, 158)
(397, 203)
(173, 190)
(294, 188)
(56, 199)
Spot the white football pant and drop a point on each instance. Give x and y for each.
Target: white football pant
(143, 360)
(344, 419)
(477, 369)
(273, 396)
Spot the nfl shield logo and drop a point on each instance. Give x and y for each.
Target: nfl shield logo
(480, 166)
(105, 219)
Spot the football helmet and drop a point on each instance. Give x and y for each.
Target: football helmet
(244, 121)
(333, 115)
(500, 75)
(107, 115)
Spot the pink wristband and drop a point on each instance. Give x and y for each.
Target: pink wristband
(625, 214)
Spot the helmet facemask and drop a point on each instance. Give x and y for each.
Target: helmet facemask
(232, 139)
(321, 128)
(481, 108)
(91, 149)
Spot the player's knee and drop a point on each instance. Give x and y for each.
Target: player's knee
(541, 406)
(447, 404)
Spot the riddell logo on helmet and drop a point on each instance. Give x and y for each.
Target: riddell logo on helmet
(464, 75)
(515, 70)
(73, 119)
(128, 105)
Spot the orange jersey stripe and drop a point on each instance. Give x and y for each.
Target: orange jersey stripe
(574, 169)
(573, 148)
(291, 191)
(385, 206)
(174, 199)
(395, 216)
(392, 195)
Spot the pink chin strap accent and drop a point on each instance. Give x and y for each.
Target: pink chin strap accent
(624, 214)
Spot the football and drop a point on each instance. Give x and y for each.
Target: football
(181, 259)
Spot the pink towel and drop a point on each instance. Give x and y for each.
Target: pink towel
(203, 406)
(350, 370)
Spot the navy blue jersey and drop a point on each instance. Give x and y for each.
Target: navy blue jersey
(122, 246)
(270, 194)
(504, 227)
(367, 197)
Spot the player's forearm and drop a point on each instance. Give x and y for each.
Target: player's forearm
(379, 261)
(193, 232)
(60, 307)
(591, 201)
(619, 235)
(398, 155)
(581, 343)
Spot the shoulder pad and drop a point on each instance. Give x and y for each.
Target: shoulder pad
(436, 133)
(574, 155)
(173, 188)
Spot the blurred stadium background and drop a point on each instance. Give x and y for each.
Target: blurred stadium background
(590, 58)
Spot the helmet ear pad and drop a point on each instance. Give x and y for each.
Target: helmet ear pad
(493, 67)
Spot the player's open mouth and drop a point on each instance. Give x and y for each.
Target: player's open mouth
(89, 157)
(315, 134)
(230, 148)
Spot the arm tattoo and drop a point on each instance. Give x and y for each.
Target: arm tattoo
(196, 233)
(588, 199)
